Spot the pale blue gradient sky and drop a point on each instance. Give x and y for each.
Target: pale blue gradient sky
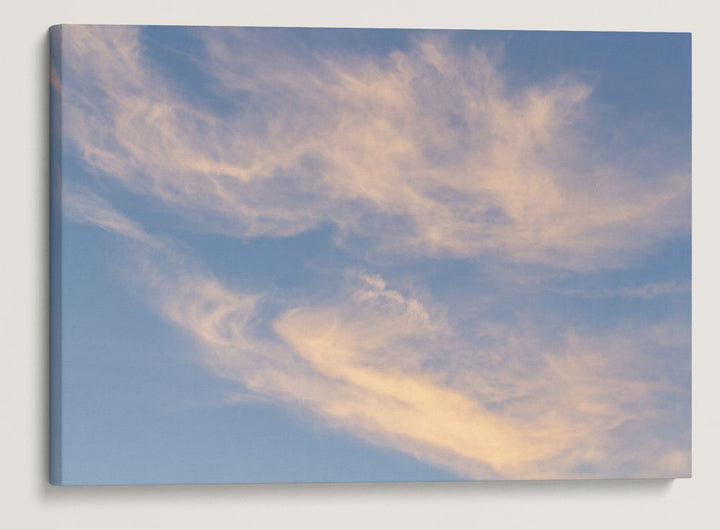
(271, 240)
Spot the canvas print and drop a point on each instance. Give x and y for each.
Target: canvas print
(338, 255)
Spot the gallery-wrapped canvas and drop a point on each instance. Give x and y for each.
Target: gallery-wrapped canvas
(338, 255)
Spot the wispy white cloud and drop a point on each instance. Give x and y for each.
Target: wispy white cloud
(420, 152)
(82, 205)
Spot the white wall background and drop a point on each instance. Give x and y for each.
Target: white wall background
(26, 501)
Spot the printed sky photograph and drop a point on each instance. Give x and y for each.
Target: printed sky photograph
(339, 255)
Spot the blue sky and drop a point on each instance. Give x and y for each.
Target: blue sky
(340, 255)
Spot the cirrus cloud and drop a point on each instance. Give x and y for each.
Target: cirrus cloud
(422, 152)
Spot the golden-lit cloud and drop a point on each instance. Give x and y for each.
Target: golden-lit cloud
(387, 368)
(422, 152)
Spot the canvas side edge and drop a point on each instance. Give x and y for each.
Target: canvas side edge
(55, 229)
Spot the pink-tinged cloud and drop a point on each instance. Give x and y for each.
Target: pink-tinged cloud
(388, 368)
(423, 152)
